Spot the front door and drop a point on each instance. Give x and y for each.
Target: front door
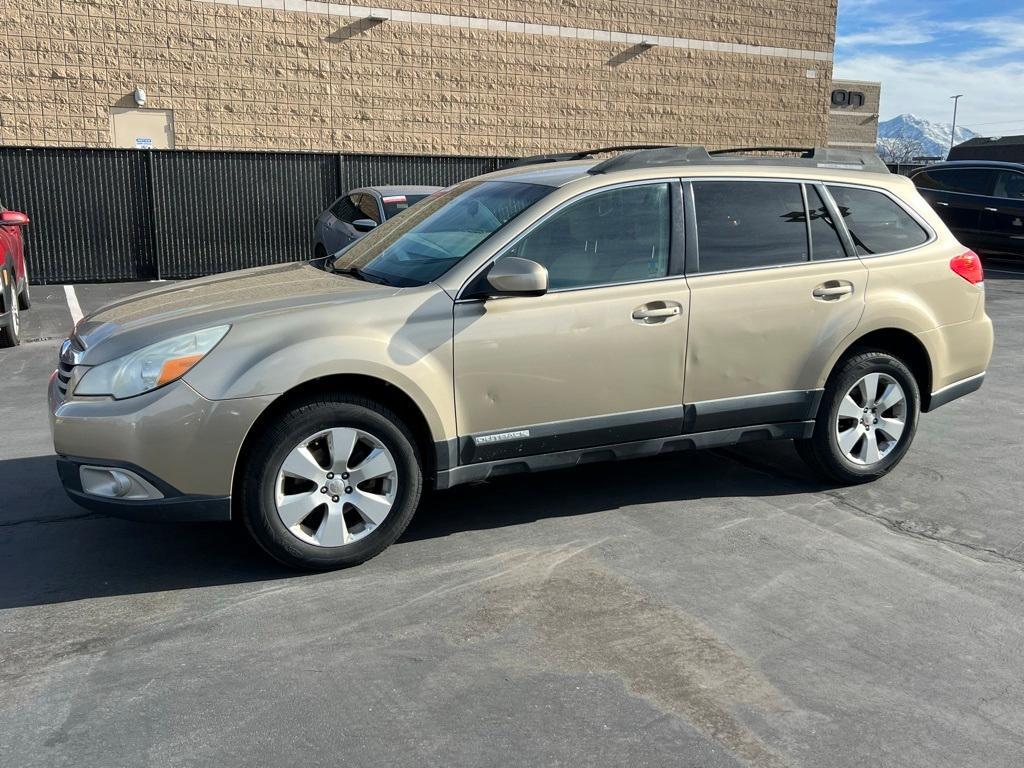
(599, 359)
(764, 316)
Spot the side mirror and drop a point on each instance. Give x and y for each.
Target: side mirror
(513, 276)
(13, 219)
(364, 225)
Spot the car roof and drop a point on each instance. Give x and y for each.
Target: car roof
(972, 164)
(399, 189)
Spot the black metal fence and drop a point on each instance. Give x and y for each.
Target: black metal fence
(124, 214)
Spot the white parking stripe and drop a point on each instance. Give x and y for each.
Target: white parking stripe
(73, 306)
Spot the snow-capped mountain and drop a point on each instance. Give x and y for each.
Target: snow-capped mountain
(908, 132)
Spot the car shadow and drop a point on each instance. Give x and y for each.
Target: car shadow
(53, 551)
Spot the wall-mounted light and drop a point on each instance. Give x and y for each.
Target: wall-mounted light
(649, 42)
(379, 15)
(140, 97)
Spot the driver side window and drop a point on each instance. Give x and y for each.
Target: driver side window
(619, 235)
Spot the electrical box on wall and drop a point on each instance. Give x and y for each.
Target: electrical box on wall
(142, 128)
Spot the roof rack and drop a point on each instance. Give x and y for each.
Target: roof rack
(584, 154)
(803, 157)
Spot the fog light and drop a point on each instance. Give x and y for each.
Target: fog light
(117, 483)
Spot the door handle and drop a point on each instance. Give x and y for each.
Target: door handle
(649, 314)
(944, 205)
(992, 210)
(833, 290)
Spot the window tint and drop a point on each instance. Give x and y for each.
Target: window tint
(825, 241)
(744, 224)
(972, 181)
(876, 223)
(617, 236)
(346, 209)
(395, 204)
(1010, 184)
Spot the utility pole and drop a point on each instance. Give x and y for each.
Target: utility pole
(952, 134)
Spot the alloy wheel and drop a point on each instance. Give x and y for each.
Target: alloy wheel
(871, 419)
(336, 487)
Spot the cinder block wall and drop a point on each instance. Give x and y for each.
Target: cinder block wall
(855, 126)
(496, 77)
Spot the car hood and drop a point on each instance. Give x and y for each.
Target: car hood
(129, 324)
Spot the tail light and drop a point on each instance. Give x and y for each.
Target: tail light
(968, 266)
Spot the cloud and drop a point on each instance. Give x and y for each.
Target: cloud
(923, 86)
(923, 52)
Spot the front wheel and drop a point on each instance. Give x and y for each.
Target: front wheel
(866, 421)
(332, 482)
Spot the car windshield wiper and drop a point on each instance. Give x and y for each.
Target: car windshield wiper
(359, 274)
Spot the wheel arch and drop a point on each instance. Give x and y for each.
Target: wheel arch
(370, 387)
(899, 343)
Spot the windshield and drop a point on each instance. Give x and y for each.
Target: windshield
(426, 240)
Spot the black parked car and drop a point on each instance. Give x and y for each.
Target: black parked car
(982, 201)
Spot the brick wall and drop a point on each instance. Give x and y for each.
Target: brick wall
(542, 75)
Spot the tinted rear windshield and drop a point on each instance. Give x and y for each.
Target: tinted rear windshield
(425, 241)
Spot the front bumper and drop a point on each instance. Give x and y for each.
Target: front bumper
(174, 506)
(173, 437)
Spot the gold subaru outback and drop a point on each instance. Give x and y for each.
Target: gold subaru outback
(563, 311)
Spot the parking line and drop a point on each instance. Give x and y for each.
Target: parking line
(73, 306)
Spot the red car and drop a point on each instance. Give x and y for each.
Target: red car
(13, 276)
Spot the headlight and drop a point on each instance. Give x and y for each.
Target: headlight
(151, 366)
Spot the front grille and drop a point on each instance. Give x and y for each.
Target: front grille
(70, 353)
(63, 377)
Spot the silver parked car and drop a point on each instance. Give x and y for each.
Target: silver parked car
(353, 215)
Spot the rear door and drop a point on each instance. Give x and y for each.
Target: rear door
(773, 292)
(1003, 217)
(959, 196)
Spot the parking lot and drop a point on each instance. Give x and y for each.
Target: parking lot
(717, 608)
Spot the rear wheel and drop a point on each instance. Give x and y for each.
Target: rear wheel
(10, 331)
(866, 421)
(331, 483)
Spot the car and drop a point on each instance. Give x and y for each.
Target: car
(354, 214)
(535, 318)
(15, 296)
(981, 201)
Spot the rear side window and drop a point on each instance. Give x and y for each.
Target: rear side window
(970, 181)
(876, 223)
(748, 224)
(825, 241)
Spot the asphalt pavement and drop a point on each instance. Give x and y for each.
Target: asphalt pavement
(716, 608)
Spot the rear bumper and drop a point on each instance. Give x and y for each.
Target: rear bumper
(955, 390)
(173, 507)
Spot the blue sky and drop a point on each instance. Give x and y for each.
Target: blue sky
(924, 51)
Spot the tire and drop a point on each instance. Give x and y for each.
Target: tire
(314, 541)
(25, 297)
(840, 448)
(10, 331)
